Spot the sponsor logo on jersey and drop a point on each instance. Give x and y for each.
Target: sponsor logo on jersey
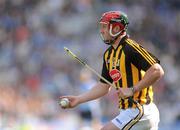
(115, 75)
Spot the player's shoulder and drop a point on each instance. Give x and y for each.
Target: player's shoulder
(130, 44)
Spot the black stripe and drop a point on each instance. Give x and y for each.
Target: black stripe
(116, 85)
(128, 73)
(129, 78)
(114, 59)
(120, 82)
(108, 57)
(140, 94)
(123, 104)
(120, 101)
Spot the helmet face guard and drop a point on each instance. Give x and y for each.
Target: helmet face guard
(112, 19)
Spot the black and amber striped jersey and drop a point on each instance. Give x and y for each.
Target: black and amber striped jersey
(125, 66)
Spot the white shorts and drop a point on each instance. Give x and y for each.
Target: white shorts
(149, 119)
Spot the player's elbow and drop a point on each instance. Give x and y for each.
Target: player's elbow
(158, 71)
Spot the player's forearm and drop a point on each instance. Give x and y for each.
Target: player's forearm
(152, 75)
(97, 91)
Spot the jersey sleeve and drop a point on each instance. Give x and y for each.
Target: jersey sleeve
(140, 57)
(105, 73)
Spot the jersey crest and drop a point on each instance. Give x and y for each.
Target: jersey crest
(115, 75)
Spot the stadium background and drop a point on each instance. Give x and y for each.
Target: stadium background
(34, 70)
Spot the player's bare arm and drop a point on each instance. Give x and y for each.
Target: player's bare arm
(99, 90)
(154, 73)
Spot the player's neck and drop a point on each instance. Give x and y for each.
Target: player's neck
(116, 43)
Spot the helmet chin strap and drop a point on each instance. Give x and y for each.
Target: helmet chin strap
(115, 36)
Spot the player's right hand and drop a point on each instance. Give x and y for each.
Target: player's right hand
(73, 101)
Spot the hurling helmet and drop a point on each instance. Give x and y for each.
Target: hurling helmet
(114, 18)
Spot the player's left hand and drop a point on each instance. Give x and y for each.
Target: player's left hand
(125, 92)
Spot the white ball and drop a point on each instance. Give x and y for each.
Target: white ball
(64, 102)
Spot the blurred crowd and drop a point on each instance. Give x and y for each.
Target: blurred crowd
(35, 71)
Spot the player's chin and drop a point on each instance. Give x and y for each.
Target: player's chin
(108, 42)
